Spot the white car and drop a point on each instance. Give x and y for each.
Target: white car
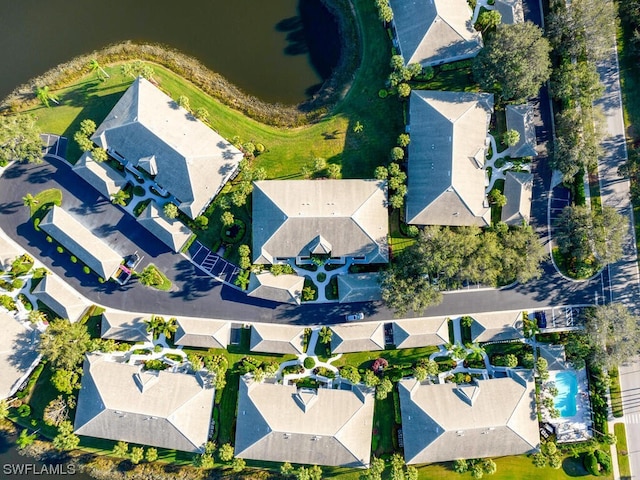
(354, 317)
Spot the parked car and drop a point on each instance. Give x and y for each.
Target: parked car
(132, 261)
(354, 317)
(541, 319)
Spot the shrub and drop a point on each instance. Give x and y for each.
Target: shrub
(309, 362)
(24, 410)
(49, 239)
(86, 270)
(74, 259)
(382, 93)
(59, 249)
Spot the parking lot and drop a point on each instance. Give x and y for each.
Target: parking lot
(213, 264)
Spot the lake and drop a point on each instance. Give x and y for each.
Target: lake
(15, 466)
(277, 50)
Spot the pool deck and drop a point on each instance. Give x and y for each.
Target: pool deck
(578, 427)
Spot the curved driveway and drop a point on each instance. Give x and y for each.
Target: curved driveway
(196, 294)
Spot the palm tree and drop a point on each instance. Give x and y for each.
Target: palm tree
(44, 95)
(169, 327)
(96, 67)
(154, 324)
(36, 316)
(120, 198)
(29, 200)
(325, 335)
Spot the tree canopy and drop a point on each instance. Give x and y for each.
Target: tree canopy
(443, 258)
(64, 343)
(613, 333)
(19, 139)
(514, 62)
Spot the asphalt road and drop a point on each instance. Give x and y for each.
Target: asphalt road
(615, 192)
(197, 294)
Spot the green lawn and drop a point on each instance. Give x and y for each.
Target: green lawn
(397, 240)
(512, 468)
(384, 427)
(287, 150)
(623, 452)
(158, 280)
(616, 394)
(43, 201)
(394, 357)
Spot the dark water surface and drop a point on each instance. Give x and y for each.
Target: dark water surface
(277, 50)
(15, 466)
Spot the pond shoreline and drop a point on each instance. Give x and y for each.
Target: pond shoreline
(333, 90)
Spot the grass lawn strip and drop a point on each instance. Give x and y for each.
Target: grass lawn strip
(623, 452)
(616, 393)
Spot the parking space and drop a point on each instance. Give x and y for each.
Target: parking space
(213, 264)
(54, 145)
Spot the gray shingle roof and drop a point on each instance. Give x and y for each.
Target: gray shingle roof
(271, 338)
(119, 401)
(99, 175)
(420, 332)
(520, 119)
(518, 188)
(277, 288)
(60, 298)
(496, 326)
(294, 217)
(193, 161)
(446, 184)
(511, 11)
(359, 287)
(431, 32)
(124, 326)
(203, 333)
(442, 422)
(357, 337)
(172, 232)
(279, 423)
(18, 353)
(81, 242)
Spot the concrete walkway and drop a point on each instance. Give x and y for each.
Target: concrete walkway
(322, 298)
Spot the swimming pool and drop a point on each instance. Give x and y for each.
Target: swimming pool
(567, 385)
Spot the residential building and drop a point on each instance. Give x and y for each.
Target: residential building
(119, 401)
(18, 353)
(170, 231)
(337, 219)
(281, 423)
(446, 167)
(510, 10)
(124, 326)
(487, 418)
(81, 242)
(202, 333)
(148, 132)
(280, 339)
(357, 337)
(99, 175)
(277, 288)
(420, 332)
(497, 326)
(518, 189)
(520, 118)
(60, 298)
(432, 32)
(359, 287)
